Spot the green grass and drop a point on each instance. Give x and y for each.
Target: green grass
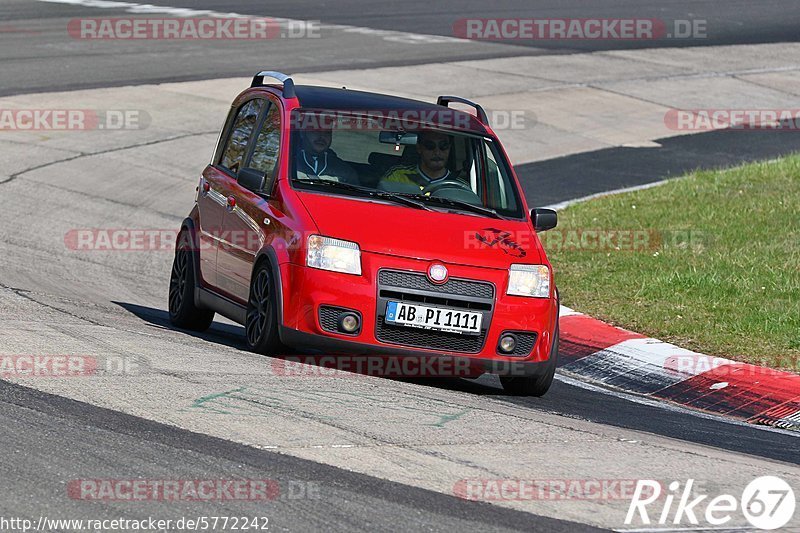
(720, 273)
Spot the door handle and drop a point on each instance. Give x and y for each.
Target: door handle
(231, 203)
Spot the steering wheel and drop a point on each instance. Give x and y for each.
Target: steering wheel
(446, 184)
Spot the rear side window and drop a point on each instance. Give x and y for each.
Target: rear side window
(242, 130)
(268, 143)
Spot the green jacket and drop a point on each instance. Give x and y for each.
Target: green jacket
(411, 175)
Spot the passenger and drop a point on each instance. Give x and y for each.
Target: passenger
(315, 159)
(434, 151)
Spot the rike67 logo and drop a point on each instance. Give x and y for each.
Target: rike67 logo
(767, 502)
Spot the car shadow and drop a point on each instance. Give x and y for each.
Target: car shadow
(233, 337)
(219, 333)
(485, 385)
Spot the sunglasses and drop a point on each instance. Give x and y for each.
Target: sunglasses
(430, 145)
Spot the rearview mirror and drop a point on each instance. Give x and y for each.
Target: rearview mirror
(397, 137)
(251, 179)
(544, 219)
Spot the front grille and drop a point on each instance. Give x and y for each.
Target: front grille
(423, 338)
(437, 300)
(417, 281)
(477, 296)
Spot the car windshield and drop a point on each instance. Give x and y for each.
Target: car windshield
(440, 168)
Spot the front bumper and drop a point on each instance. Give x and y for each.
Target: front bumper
(378, 360)
(306, 289)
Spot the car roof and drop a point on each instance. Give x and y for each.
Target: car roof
(331, 98)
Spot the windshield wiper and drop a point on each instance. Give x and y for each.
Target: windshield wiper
(465, 206)
(374, 193)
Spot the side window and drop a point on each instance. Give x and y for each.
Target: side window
(496, 184)
(242, 129)
(500, 187)
(268, 143)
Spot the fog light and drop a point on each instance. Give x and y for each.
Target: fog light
(507, 343)
(349, 323)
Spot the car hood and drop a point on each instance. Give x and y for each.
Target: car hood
(397, 230)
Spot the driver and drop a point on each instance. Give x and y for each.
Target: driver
(434, 151)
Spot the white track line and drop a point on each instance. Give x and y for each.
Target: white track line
(563, 205)
(149, 9)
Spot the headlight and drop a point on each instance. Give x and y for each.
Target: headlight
(333, 254)
(529, 280)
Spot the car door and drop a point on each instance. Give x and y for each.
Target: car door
(245, 227)
(212, 199)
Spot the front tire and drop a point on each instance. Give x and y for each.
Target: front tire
(183, 313)
(261, 323)
(534, 385)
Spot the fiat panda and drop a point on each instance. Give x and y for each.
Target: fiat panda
(349, 222)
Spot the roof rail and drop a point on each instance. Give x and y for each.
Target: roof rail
(445, 101)
(288, 83)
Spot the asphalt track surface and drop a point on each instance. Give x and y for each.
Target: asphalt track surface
(576, 176)
(48, 439)
(38, 54)
(728, 22)
(72, 437)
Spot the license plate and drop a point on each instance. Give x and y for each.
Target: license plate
(441, 319)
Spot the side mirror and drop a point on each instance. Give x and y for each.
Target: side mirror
(251, 179)
(544, 219)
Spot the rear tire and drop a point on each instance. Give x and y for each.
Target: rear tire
(534, 385)
(183, 313)
(261, 323)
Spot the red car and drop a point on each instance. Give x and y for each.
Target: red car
(348, 222)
